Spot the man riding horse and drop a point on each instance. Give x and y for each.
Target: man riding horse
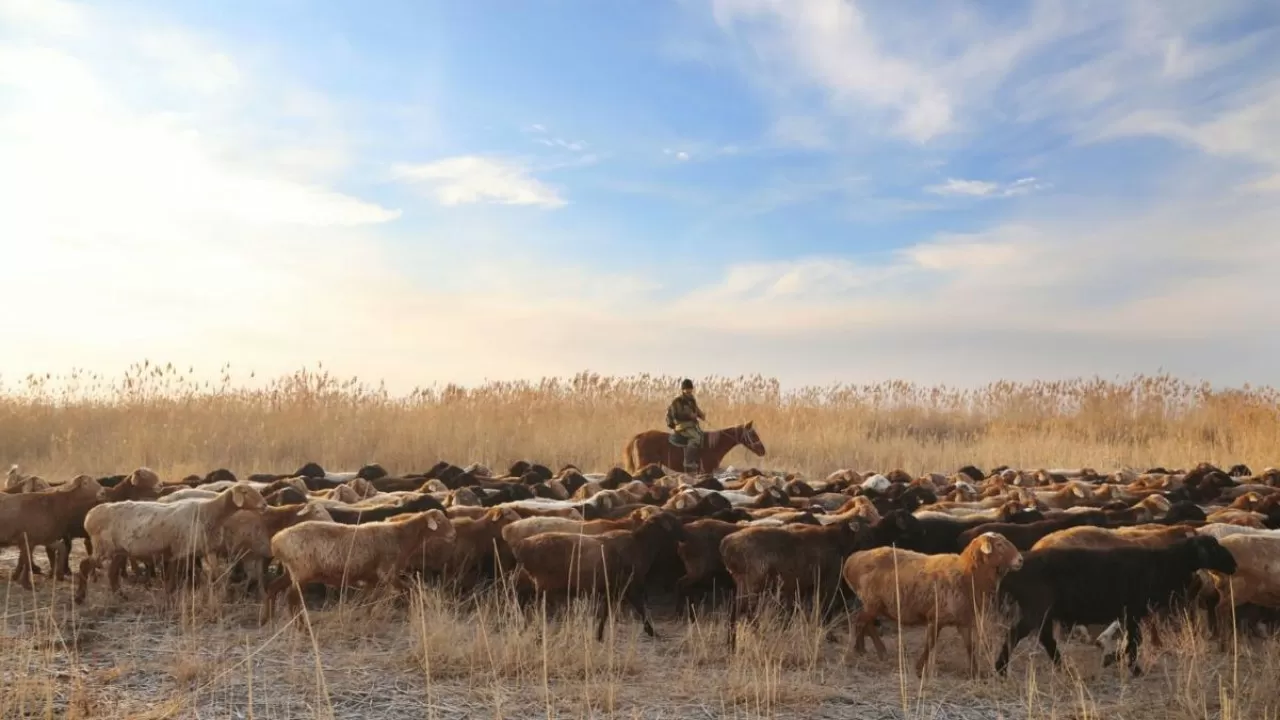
(682, 417)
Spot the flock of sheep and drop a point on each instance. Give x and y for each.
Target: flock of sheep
(1067, 549)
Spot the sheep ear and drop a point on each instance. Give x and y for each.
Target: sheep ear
(432, 524)
(1075, 490)
(986, 547)
(302, 512)
(237, 497)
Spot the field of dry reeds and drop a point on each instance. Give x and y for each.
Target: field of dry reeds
(436, 655)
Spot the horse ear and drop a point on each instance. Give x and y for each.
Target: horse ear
(748, 425)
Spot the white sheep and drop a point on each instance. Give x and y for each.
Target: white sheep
(170, 532)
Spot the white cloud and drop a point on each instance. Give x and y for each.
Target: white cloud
(828, 43)
(953, 186)
(984, 188)
(43, 16)
(475, 179)
(1244, 129)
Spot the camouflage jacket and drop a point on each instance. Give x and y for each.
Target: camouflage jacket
(683, 412)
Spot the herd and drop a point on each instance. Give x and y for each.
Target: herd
(1050, 551)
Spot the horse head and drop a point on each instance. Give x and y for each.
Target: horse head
(750, 439)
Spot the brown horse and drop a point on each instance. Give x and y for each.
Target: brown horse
(654, 446)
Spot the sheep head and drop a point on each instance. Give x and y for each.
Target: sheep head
(997, 551)
(245, 497)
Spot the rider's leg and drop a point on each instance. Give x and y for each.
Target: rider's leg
(692, 451)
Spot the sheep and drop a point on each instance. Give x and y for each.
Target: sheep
(616, 562)
(1085, 536)
(46, 518)
(1025, 535)
(1256, 579)
(1074, 586)
(528, 527)
(1239, 517)
(932, 590)
(699, 553)
(342, 556)
(479, 549)
(798, 559)
(246, 535)
(16, 482)
(185, 493)
(153, 530)
(357, 515)
(940, 534)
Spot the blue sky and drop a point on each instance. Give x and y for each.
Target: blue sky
(816, 190)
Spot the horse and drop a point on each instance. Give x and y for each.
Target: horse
(655, 446)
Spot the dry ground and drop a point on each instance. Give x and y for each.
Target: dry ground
(433, 655)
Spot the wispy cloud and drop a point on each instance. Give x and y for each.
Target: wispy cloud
(475, 179)
(985, 188)
(828, 43)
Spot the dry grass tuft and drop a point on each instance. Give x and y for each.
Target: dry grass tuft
(432, 654)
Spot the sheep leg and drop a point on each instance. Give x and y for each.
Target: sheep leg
(864, 627)
(24, 561)
(60, 552)
(739, 606)
(259, 568)
(51, 554)
(114, 570)
(1020, 630)
(930, 639)
(65, 568)
(966, 633)
(606, 609)
(170, 568)
(1049, 642)
(87, 566)
(1134, 630)
(635, 596)
(269, 597)
(22, 574)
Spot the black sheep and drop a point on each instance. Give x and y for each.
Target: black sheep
(1077, 586)
(1024, 535)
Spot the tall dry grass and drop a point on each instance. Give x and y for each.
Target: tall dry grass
(161, 417)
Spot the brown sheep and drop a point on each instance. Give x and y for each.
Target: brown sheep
(341, 556)
(478, 548)
(798, 559)
(616, 563)
(699, 552)
(1256, 579)
(46, 518)
(1097, 537)
(932, 590)
(246, 535)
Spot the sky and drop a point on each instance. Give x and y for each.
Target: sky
(425, 192)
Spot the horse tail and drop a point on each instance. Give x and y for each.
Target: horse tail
(631, 456)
